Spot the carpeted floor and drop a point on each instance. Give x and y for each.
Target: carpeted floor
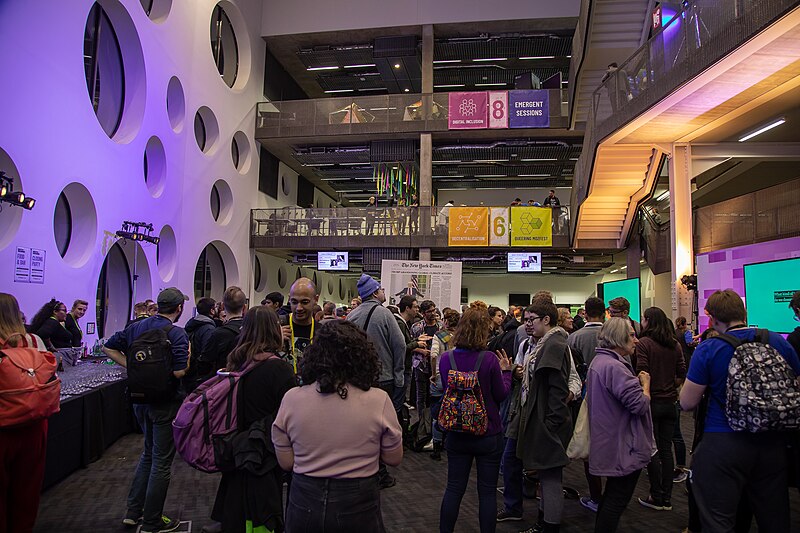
(93, 499)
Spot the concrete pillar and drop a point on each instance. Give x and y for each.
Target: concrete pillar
(680, 228)
(424, 254)
(425, 170)
(427, 59)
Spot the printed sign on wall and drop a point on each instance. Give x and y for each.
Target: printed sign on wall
(529, 109)
(22, 265)
(531, 226)
(498, 226)
(498, 109)
(439, 281)
(467, 110)
(37, 265)
(468, 226)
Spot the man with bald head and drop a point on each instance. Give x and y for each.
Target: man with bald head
(300, 328)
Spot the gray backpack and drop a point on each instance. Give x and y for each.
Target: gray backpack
(762, 389)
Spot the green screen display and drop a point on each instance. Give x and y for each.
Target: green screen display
(768, 289)
(629, 289)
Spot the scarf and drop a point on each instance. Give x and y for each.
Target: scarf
(529, 363)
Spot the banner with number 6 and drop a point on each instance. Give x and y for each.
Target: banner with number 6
(498, 226)
(498, 109)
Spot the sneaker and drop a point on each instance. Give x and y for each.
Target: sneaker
(680, 476)
(651, 504)
(589, 503)
(667, 506)
(167, 525)
(505, 516)
(132, 518)
(384, 483)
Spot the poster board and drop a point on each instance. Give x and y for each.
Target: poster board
(439, 281)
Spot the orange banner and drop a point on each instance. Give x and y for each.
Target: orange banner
(468, 226)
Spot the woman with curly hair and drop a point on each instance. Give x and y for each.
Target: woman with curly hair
(332, 431)
(248, 500)
(48, 323)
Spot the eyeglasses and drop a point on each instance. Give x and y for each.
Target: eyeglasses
(532, 320)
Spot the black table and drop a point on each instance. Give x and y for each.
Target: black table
(89, 421)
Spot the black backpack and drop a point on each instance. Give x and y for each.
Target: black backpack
(149, 359)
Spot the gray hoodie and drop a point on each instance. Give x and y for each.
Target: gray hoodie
(384, 332)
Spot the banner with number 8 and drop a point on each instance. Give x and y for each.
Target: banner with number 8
(498, 109)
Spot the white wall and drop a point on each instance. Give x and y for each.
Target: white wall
(494, 290)
(310, 16)
(492, 197)
(53, 138)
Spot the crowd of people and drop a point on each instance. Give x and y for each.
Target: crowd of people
(330, 391)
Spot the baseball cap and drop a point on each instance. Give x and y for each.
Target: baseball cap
(171, 296)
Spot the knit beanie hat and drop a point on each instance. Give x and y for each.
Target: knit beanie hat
(367, 286)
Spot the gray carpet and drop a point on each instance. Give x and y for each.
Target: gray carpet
(93, 499)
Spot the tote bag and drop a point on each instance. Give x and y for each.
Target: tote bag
(578, 447)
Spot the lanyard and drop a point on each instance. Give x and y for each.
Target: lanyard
(291, 346)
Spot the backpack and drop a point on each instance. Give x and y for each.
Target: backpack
(762, 390)
(149, 361)
(207, 420)
(29, 387)
(463, 409)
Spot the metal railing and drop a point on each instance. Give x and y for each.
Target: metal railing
(391, 113)
(697, 37)
(343, 227)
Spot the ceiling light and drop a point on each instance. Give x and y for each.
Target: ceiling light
(367, 65)
(491, 59)
(491, 175)
(318, 164)
(397, 65)
(537, 57)
(405, 90)
(381, 108)
(541, 159)
(373, 89)
(491, 160)
(490, 84)
(624, 268)
(614, 271)
(448, 176)
(322, 68)
(447, 61)
(339, 91)
(663, 195)
(452, 85)
(491, 188)
(762, 130)
(335, 179)
(445, 162)
(534, 175)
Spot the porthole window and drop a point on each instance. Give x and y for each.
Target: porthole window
(235, 153)
(176, 104)
(62, 224)
(285, 186)
(330, 286)
(200, 132)
(105, 75)
(282, 277)
(206, 129)
(259, 276)
(155, 166)
(298, 275)
(209, 274)
(156, 10)
(221, 202)
(224, 47)
(215, 202)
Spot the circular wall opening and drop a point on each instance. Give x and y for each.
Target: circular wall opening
(156, 10)
(125, 261)
(285, 187)
(176, 104)
(75, 224)
(206, 129)
(314, 279)
(341, 289)
(10, 216)
(215, 271)
(114, 70)
(298, 274)
(259, 275)
(240, 152)
(230, 45)
(167, 253)
(330, 286)
(221, 202)
(282, 277)
(155, 166)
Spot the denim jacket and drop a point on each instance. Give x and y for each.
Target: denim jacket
(620, 425)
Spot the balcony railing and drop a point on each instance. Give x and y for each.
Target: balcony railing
(358, 227)
(392, 113)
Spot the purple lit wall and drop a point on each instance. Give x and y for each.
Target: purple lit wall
(724, 269)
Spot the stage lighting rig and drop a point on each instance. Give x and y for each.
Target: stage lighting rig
(690, 282)
(9, 195)
(137, 231)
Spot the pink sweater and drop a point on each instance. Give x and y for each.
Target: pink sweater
(336, 438)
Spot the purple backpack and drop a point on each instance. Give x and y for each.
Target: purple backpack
(207, 420)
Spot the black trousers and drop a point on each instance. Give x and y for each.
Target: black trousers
(729, 466)
(662, 464)
(619, 491)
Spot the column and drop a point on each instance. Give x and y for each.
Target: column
(425, 184)
(424, 254)
(427, 59)
(680, 210)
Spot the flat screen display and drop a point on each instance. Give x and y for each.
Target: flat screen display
(332, 260)
(768, 289)
(524, 262)
(627, 288)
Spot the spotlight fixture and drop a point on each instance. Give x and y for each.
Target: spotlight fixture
(137, 231)
(690, 282)
(9, 195)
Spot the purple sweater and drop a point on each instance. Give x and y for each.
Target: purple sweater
(495, 384)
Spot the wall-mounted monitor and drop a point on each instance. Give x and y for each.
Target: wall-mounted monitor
(332, 261)
(768, 289)
(524, 262)
(627, 288)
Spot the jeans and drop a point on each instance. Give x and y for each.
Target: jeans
(334, 505)
(151, 480)
(662, 464)
(22, 454)
(619, 491)
(729, 466)
(399, 399)
(461, 450)
(677, 439)
(423, 403)
(512, 478)
(436, 404)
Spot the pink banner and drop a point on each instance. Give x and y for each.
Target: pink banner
(498, 109)
(467, 111)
